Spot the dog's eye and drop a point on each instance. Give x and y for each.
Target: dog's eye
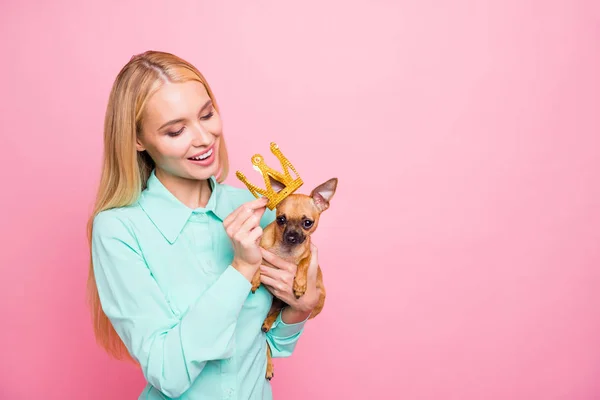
(307, 223)
(281, 220)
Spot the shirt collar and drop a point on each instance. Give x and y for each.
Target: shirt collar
(170, 215)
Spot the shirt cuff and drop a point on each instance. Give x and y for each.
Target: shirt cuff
(283, 330)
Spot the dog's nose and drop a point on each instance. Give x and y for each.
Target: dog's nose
(292, 237)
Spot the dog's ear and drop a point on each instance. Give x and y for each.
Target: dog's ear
(323, 193)
(275, 184)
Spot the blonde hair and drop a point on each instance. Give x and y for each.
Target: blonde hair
(125, 171)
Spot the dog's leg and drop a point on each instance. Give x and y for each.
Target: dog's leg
(269, 375)
(301, 276)
(256, 281)
(256, 277)
(276, 308)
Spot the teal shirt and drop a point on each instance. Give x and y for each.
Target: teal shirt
(185, 314)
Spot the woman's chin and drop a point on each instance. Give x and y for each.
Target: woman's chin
(201, 172)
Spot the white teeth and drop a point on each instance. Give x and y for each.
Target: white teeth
(203, 156)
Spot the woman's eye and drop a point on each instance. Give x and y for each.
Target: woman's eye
(208, 116)
(173, 134)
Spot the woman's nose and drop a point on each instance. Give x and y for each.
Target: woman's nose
(202, 137)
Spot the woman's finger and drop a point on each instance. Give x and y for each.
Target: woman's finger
(250, 223)
(279, 276)
(276, 285)
(236, 224)
(276, 261)
(268, 271)
(269, 288)
(255, 234)
(247, 207)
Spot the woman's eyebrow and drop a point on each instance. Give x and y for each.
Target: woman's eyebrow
(175, 121)
(206, 105)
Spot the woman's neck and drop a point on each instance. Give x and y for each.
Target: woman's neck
(191, 192)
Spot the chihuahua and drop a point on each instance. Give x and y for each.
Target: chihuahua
(288, 237)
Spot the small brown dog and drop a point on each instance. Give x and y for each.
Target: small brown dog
(288, 237)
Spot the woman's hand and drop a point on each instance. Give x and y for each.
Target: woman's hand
(280, 282)
(243, 228)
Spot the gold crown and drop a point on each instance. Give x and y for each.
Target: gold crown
(288, 183)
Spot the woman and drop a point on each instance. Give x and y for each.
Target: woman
(173, 249)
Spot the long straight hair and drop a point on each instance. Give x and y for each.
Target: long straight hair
(125, 171)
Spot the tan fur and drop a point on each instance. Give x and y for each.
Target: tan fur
(294, 207)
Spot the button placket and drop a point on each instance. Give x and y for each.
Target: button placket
(229, 377)
(202, 238)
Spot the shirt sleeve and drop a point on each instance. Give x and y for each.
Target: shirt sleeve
(282, 337)
(172, 351)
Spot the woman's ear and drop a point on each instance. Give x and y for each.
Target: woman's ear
(138, 145)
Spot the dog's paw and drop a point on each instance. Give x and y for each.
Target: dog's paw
(270, 374)
(299, 289)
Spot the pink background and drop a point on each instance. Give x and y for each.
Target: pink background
(461, 252)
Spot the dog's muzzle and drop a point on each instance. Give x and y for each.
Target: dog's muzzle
(293, 237)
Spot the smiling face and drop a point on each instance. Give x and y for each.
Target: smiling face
(181, 131)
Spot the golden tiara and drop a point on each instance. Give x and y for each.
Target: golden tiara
(284, 179)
